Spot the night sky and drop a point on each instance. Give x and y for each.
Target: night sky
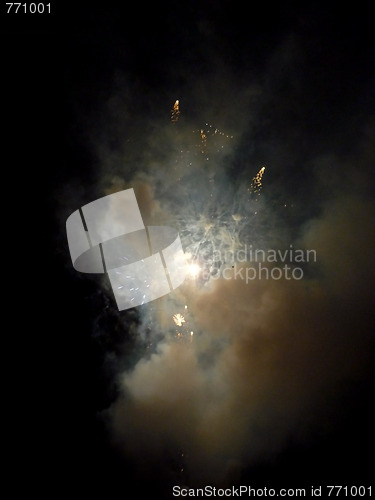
(275, 388)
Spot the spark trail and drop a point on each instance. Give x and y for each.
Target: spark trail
(175, 113)
(256, 183)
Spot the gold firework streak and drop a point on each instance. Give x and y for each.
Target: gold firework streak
(175, 112)
(256, 183)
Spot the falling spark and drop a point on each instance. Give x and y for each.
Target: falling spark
(178, 319)
(212, 140)
(175, 112)
(204, 142)
(256, 183)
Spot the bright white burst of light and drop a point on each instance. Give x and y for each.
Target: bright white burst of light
(193, 270)
(178, 319)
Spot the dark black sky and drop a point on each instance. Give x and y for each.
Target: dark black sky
(295, 80)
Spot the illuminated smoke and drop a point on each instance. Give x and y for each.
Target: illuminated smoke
(246, 377)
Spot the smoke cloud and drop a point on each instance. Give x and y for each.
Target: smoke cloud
(269, 360)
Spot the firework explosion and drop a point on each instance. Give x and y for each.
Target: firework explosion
(218, 218)
(194, 344)
(212, 228)
(214, 222)
(270, 147)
